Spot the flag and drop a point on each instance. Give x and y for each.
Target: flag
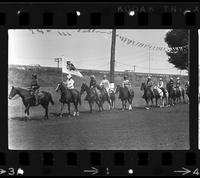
(69, 68)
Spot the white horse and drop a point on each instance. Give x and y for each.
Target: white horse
(161, 94)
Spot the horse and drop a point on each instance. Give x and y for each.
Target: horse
(107, 97)
(29, 100)
(68, 96)
(126, 96)
(187, 90)
(148, 94)
(159, 94)
(93, 96)
(172, 94)
(179, 92)
(112, 98)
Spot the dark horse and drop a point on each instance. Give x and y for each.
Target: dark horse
(29, 100)
(67, 97)
(148, 94)
(125, 95)
(172, 94)
(179, 92)
(92, 96)
(112, 98)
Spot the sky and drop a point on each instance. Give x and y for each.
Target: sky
(90, 50)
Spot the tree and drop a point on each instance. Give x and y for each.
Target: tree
(179, 58)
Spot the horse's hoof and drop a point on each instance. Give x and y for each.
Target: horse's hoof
(147, 108)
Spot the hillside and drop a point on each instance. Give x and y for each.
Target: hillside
(50, 76)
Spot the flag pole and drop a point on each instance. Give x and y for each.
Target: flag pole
(62, 69)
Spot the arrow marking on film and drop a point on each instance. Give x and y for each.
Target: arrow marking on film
(93, 171)
(184, 171)
(2, 171)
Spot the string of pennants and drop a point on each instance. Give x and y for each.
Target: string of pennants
(122, 38)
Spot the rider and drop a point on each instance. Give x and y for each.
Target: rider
(106, 84)
(161, 85)
(149, 84)
(35, 88)
(126, 83)
(178, 83)
(69, 82)
(171, 82)
(93, 84)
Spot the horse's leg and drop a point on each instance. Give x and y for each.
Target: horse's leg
(68, 109)
(27, 112)
(152, 101)
(110, 103)
(46, 112)
(61, 109)
(76, 108)
(122, 105)
(125, 102)
(130, 105)
(90, 104)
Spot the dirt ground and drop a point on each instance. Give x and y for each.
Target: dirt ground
(139, 129)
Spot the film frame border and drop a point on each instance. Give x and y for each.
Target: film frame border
(46, 16)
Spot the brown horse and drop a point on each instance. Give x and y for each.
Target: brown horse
(126, 96)
(148, 94)
(29, 100)
(94, 95)
(107, 97)
(67, 97)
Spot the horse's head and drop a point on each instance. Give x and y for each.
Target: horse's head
(59, 86)
(13, 92)
(83, 88)
(143, 86)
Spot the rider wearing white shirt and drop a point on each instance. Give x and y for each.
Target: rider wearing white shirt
(105, 83)
(69, 82)
(160, 83)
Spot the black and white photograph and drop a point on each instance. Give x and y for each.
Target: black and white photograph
(199, 87)
(98, 89)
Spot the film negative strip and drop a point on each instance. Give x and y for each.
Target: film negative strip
(99, 89)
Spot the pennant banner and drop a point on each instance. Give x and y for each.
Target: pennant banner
(123, 39)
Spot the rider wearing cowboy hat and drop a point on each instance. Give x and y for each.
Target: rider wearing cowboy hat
(106, 84)
(69, 82)
(178, 83)
(126, 83)
(171, 82)
(150, 84)
(35, 88)
(93, 82)
(161, 85)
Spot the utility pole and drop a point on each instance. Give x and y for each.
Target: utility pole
(134, 68)
(149, 59)
(112, 58)
(58, 60)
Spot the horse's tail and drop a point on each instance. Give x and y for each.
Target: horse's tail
(51, 100)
